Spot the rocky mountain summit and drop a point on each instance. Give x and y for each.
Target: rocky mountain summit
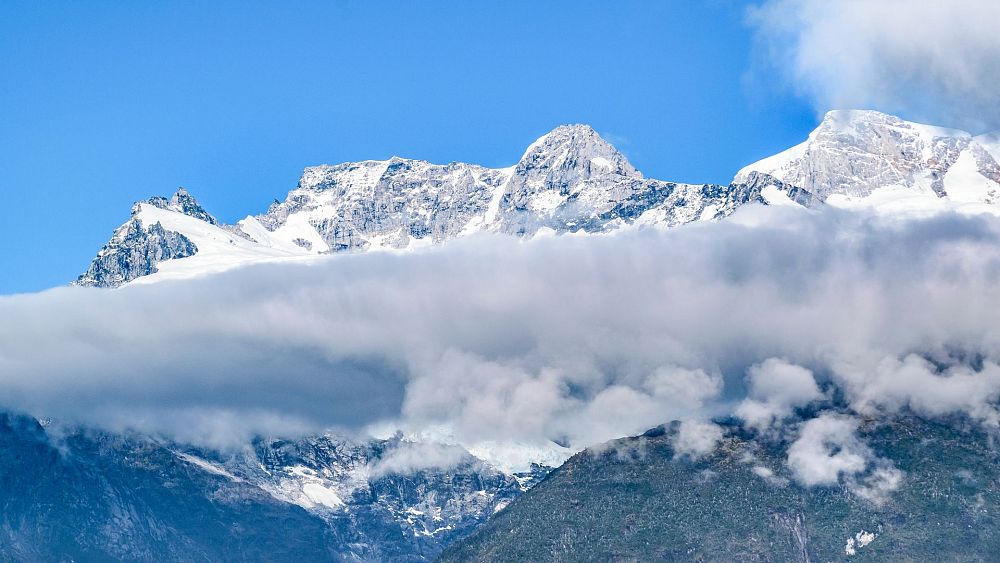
(570, 180)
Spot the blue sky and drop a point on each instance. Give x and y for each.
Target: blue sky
(102, 104)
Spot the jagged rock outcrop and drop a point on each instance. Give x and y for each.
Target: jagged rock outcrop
(183, 202)
(134, 251)
(389, 203)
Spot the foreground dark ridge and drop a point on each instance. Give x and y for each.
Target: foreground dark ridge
(636, 500)
(71, 494)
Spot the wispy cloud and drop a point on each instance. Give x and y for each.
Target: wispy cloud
(932, 61)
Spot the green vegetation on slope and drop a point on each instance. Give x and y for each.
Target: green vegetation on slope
(634, 500)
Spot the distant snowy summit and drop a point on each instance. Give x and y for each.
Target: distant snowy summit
(869, 158)
(570, 180)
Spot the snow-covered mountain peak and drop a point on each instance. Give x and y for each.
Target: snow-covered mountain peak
(575, 147)
(853, 154)
(181, 202)
(569, 179)
(186, 203)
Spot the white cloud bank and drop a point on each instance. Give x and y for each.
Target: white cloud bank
(571, 339)
(937, 62)
(776, 388)
(695, 439)
(828, 451)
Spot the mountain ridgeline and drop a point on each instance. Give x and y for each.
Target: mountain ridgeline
(569, 180)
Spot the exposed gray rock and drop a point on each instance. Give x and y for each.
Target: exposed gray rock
(569, 180)
(183, 202)
(134, 251)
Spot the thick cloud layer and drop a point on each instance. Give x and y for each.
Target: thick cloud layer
(938, 62)
(570, 339)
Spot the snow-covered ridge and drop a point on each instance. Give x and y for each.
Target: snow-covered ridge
(569, 180)
(158, 235)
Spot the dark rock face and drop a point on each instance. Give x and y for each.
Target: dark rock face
(636, 500)
(96, 497)
(133, 252)
(183, 202)
(136, 248)
(71, 494)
